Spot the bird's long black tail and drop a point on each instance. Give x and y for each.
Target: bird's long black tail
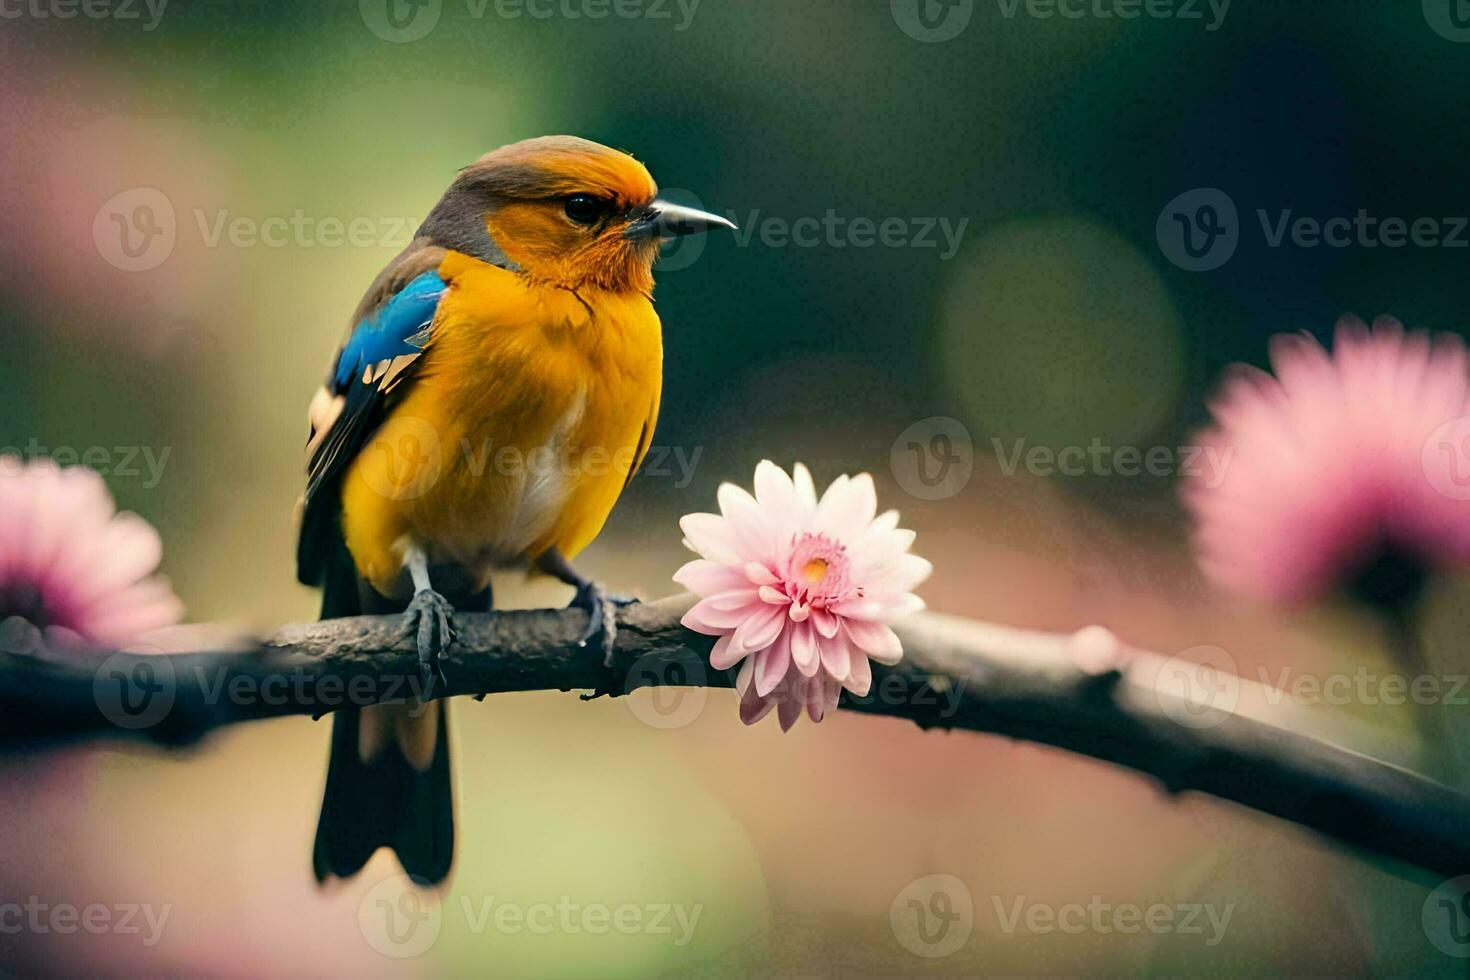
(388, 782)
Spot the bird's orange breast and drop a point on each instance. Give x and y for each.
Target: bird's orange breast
(529, 409)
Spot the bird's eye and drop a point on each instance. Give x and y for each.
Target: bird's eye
(584, 209)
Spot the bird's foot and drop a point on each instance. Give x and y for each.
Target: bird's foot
(429, 622)
(602, 616)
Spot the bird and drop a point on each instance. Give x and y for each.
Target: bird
(497, 387)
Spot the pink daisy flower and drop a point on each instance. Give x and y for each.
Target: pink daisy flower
(1333, 474)
(73, 567)
(800, 591)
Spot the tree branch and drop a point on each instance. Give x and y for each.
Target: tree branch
(955, 674)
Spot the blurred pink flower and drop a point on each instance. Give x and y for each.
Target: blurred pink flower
(1332, 474)
(799, 591)
(70, 565)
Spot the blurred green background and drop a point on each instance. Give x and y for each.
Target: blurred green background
(1053, 315)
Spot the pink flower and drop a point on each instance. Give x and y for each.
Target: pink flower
(70, 565)
(800, 591)
(1329, 473)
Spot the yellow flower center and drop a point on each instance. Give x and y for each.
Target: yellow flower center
(814, 571)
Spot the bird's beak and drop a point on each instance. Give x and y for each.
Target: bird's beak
(665, 220)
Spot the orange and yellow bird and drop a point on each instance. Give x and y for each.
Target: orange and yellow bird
(497, 388)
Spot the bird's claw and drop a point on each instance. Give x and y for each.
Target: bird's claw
(602, 616)
(429, 622)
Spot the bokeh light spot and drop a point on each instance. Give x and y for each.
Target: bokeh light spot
(1057, 331)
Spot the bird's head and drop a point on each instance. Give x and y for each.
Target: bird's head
(563, 210)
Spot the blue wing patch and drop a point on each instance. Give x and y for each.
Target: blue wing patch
(373, 366)
(398, 328)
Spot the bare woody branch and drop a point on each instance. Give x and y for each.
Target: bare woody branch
(955, 674)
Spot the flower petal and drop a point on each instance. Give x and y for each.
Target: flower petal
(804, 652)
(911, 572)
(825, 622)
(758, 574)
(905, 605)
(753, 707)
(744, 678)
(748, 525)
(865, 609)
(806, 491)
(772, 664)
(823, 698)
(778, 499)
(876, 640)
(836, 658)
(711, 536)
(712, 620)
(760, 629)
(774, 596)
(860, 679)
(725, 654)
(789, 710)
(704, 577)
